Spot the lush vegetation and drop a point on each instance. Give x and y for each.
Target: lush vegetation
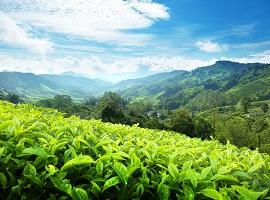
(111, 107)
(32, 86)
(243, 124)
(46, 156)
(226, 101)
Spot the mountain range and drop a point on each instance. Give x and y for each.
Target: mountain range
(29, 85)
(232, 78)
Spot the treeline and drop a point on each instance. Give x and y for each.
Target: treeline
(111, 107)
(243, 124)
(10, 96)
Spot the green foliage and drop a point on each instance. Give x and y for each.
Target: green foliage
(31, 86)
(181, 121)
(265, 107)
(62, 101)
(250, 130)
(46, 156)
(202, 128)
(10, 96)
(245, 103)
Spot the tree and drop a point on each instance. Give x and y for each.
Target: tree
(3, 95)
(111, 107)
(265, 107)
(210, 84)
(203, 128)
(63, 101)
(112, 99)
(258, 125)
(154, 122)
(181, 121)
(91, 101)
(112, 114)
(245, 103)
(14, 98)
(140, 107)
(237, 131)
(47, 103)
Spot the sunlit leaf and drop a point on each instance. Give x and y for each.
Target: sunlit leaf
(80, 160)
(111, 182)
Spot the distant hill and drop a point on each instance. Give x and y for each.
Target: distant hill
(179, 86)
(29, 85)
(225, 76)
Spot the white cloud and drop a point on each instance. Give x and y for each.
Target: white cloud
(209, 46)
(96, 66)
(262, 57)
(90, 66)
(12, 33)
(100, 20)
(159, 64)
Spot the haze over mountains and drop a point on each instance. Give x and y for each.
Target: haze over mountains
(29, 85)
(223, 76)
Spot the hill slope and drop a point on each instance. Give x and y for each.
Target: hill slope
(44, 155)
(29, 85)
(223, 76)
(228, 77)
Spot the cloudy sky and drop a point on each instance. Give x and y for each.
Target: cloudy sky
(118, 39)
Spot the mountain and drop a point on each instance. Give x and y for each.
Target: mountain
(29, 85)
(149, 79)
(224, 76)
(253, 81)
(175, 88)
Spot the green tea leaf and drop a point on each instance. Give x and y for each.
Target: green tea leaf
(213, 194)
(3, 180)
(58, 146)
(173, 170)
(99, 167)
(164, 192)
(205, 172)
(255, 168)
(6, 124)
(187, 165)
(111, 182)
(79, 194)
(80, 160)
(121, 171)
(62, 185)
(219, 177)
(246, 193)
(190, 175)
(95, 188)
(34, 151)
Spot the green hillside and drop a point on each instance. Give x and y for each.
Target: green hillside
(252, 81)
(46, 156)
(181, 87)
(29, 85)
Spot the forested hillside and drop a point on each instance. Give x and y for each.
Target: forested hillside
(29, 85)
(174, 89)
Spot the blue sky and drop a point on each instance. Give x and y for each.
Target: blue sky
(121, 39)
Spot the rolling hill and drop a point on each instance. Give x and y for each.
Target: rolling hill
(228, 77)
(233, 78)
(29, 85)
